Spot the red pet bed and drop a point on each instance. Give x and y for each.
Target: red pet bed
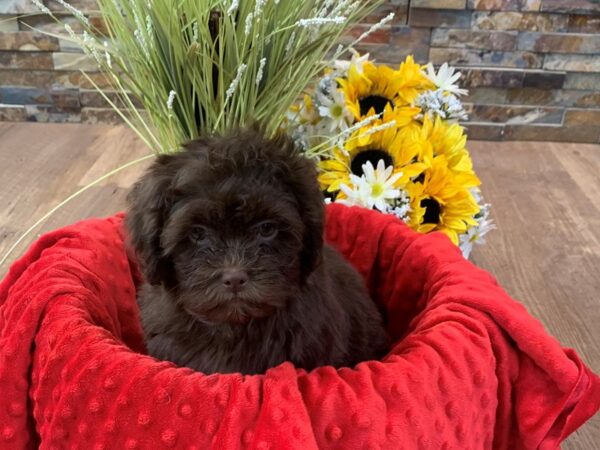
(470, 368)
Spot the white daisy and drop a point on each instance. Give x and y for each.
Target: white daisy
(375, 188)
(475, 235)
(356, 61)
(334, 109)
(382, 183)
(445, 78)
(357, 194)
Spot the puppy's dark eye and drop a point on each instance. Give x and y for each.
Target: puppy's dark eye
(199, 235)
(267, 230)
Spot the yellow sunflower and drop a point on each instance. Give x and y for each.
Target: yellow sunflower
(441, 202)
(363, 146)
(438, 138)
(369, 91)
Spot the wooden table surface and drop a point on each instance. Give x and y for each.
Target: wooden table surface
(545, 197)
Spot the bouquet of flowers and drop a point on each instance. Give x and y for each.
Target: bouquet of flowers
(389, 139)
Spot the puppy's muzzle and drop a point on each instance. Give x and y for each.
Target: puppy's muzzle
(234, 280)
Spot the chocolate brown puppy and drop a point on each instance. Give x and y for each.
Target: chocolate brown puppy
(229, 235)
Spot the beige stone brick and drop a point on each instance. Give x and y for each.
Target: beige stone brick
(584, 23)
(17, 7)
(27, 41)
(471, 57)
(486, 95)
(520, 21)
(484, 131)
(439, 4)
(85, 6)
(404, 41)
(74, 61)
(8, 23)
(481, 77)
(12, 113)
(48, 113)
(505, 5)
(583, 134)
(572, 63)
(515, 114)
(477, 39)
(48, 78)
(399, 8)
(559, 42)
(589, 117)
(421, 17)
(585, 81)
(571, 6)
(25, 60)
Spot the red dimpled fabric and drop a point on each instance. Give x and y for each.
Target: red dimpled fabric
(469, 368)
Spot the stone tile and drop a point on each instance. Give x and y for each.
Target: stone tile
(437, 4)
(588, 99)
(45, 113)
(100, 115)
(492, 78)
(585, 81)
(462, 38)
(513, 114)
(505, 5)
(484, 131)
(8, 23)
(74, 61)
(584, 23)
(530, 96)
(519, 21)
(404, 41)
(65, 99)
(572, 63)
(12, 113)
(582, 134)
(470, 57)
(18, 95)
(93, 98)
(583, 117)
(85, 6)
(399, 8)
(48, 78)
(17, 7)
(562, 97)
(571, 6)
(25, 60)
(530, 5)
(559, 42)
(45, 23)
(544, 79)
(28, 41)
(486, 95)
(68, 46)
(439, 18)
(380, 36)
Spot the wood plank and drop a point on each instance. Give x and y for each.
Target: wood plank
(42, 164)
(546, 251)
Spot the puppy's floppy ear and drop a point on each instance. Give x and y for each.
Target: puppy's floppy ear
(302, 178)
(149, 203)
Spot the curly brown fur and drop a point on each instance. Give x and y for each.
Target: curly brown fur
(229, 233)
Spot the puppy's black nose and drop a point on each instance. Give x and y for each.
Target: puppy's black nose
(234, 279)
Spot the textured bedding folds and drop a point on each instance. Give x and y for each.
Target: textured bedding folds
(470, 368)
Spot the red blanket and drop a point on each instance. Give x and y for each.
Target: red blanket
(470, 367)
